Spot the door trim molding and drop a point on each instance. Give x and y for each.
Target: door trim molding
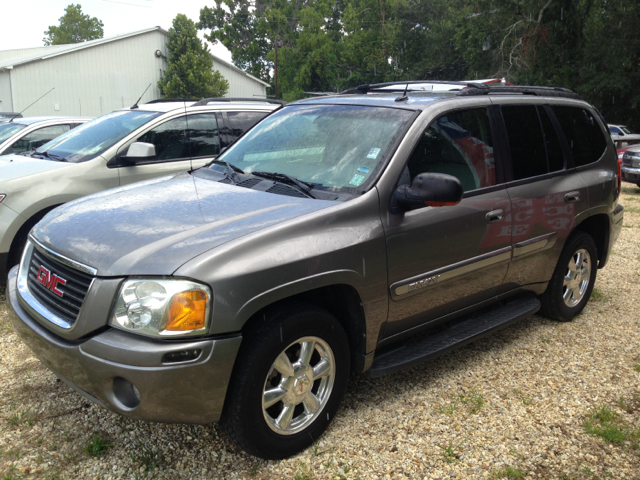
(535, 244)
(410, 286)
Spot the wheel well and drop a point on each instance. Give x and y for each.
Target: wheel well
(597, 227)
(341, 301)
(17, 244)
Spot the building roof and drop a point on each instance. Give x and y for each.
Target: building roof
(55, 50)
(233, 67)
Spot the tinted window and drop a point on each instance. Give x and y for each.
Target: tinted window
(38, 138)
(202, 131)
(169, 139)
(555, 158)
(526, 141)
(240, 122)
(615, 130)
(585, 138)
(459, 144)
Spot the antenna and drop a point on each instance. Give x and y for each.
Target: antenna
(404, 94)
(135, 105)
(32, 104)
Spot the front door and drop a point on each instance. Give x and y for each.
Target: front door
(443, 259)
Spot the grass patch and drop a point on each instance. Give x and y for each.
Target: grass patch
(147, 459)
(597, 295)
(97, 445)
(27, 417)
(450, 451)
(636, 367)
(508, 472)
(608, 425)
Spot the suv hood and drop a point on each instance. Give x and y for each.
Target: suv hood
(16, 166)
(154, 227)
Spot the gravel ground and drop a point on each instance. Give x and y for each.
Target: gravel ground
(514, 405)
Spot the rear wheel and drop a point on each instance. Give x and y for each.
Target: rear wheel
(290, 377)
(573, 279)
(638, 184)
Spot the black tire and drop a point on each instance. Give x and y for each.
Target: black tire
(246, 423)
(554, 305)
(638, 184)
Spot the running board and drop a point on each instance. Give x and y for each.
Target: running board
(455, 337)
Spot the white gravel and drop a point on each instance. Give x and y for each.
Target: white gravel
(516, 399)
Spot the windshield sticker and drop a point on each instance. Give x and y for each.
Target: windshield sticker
(363, 170)
(373, 153)
(357, 180)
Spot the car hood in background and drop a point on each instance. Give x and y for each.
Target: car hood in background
(16, 166)
(155, 227)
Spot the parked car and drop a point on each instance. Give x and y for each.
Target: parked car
(630, 168)
(333, 231)
(27, 134)
(622, 136)
(122, 147)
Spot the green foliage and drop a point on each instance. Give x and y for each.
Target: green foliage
(190, 71)
(608, 425)
(97, 445)
(75, 27)
(508, 472)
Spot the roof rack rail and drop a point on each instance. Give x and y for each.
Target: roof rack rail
(379, 87)
(171, 100)
(207, 101)
(524, 90)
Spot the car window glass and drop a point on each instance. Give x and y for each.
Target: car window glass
(586, 140)
(626, 130)
(202, 131)
(9, 129)
(555, 158)
(240, 122)
(460, 144)
(39, 137)
(169, 139)
(333, 146)
(528, 154)
(615, 130)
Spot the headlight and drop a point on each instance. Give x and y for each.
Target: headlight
(162, 308)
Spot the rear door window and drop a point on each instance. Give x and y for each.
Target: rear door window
(240, 122)
(526, 141)
(460, 144)
(583, 133)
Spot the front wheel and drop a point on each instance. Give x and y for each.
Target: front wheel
(290, 377)
(573, 279)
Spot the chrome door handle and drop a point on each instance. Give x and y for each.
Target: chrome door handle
(494, 216)
(572, 197)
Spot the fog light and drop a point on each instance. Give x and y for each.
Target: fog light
(183, 356)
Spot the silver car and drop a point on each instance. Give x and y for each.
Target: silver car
(122, 147)
(25, 134)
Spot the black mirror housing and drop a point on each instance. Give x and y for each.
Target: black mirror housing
(427, 189)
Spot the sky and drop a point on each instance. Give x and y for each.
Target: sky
(25, 21)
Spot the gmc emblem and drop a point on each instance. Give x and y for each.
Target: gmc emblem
(50, 280)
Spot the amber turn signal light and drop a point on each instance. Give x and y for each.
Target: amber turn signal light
(188, 311)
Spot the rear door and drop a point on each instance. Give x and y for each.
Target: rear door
(547, 196)
(443, 259)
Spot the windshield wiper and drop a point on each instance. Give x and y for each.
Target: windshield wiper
(304, 187)
(231, 172)
(51, 156)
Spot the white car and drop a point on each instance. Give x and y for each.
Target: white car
(622, 136)
(25, 134)
(126, 146)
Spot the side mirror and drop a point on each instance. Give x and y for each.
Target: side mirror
(427, 189)
(140, 152)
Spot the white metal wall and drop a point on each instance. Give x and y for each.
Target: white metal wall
(92, 81)
(240, 85)
(5, 92)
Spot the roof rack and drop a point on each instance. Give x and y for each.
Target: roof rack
(524, 90)
(379, 87)
(207, 101)
(171, 100)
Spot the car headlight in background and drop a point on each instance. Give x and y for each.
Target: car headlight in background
(162, 308)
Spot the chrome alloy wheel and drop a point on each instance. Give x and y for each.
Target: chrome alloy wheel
(298, 385)
(576, 280)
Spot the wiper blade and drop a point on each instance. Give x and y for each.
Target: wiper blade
(305, 187)
(52, 156)
(231, 172)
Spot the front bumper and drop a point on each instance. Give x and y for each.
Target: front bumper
(630, 174)
(103, 367)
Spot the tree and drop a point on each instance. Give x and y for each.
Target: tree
(190, 71)
(75, 27)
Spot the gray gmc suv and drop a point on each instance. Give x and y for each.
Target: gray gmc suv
(368, 231)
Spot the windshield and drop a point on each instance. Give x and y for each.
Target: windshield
(91, 139)
(332, 146)
(8, 129)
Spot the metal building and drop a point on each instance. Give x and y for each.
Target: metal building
(98, 76)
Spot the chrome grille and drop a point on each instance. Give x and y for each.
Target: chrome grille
(68, 305)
